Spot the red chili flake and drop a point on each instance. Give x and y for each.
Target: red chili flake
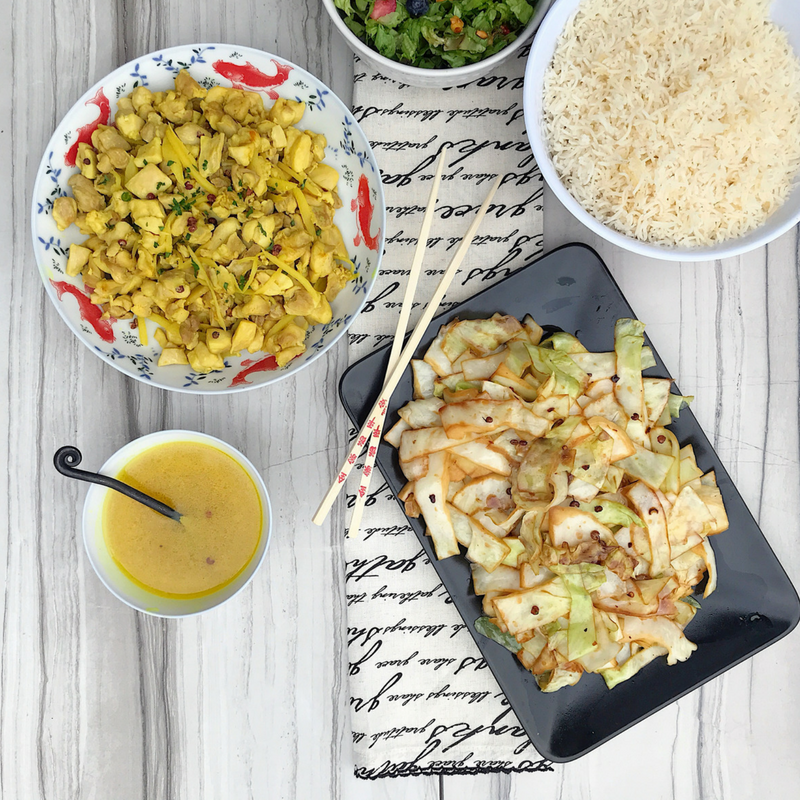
(508, 491)
(630, 594)
(575, 504)
(211, 198)
(134, 324)
(87, 160)
(248, 192)
(534, 609)
(630, 544)
(276, 250)
(588, 374)
(432, 498)
(490, 420)
(191, 224)
(595, 535)
(514, 442)
(123, 242)
(653, 510)
(504, 29)
(208, 514)
(594, 644)
(615, 378)
(209, 560)
(584, 466)
(151, 196)
(648, 429)
(188, 185)
(634, 416)
(179, 289)
(523, 443)
(550, 409)
(662, 438)
(598, 508)
(558, 422)
(215, 334)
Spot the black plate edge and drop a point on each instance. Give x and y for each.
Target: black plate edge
(440, 319)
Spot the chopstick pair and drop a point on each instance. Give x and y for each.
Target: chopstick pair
(372, 428)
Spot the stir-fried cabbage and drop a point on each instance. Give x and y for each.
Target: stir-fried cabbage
(586, 523)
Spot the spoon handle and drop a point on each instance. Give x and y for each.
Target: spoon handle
(67, 459)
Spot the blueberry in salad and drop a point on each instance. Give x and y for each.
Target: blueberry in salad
(436, 34)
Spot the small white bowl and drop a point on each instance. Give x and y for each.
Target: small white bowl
(116, 581)
(784, 12)
(433, 78)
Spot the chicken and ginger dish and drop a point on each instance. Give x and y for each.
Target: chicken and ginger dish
(587, 525)
(212, 216)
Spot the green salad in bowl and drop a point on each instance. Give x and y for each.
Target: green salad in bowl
(436, 34)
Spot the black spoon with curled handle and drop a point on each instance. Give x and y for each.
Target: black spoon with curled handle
(67, 459)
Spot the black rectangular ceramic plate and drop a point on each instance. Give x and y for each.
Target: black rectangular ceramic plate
(754, 605)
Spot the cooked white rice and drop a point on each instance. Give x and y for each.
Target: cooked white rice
(676, 122)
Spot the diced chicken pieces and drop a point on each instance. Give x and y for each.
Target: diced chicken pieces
(149, 180)
(243, 335)
(218, 340)
(104, 138)
(87, 161)
(188, 86)
(65, 212)
(299, 301)
(322, 314)
(78, 259)
(85, 194)
(324, 176)
(149, 153)
(210, 156)
(172, 355)
(129, 125)
(337, 280)
(175, 108)
(287, 112)
(203, 360)
(298, 157)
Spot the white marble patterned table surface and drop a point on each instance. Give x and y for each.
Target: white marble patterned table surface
(98, 702)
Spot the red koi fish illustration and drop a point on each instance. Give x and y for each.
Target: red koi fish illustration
(262, 365)
(246, 76)
(89, 311)
(364, 208)
(85, 132)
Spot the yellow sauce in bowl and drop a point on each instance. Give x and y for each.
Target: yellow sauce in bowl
(220, 525)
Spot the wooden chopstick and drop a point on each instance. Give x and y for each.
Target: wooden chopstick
(397, 343)
(405, 356)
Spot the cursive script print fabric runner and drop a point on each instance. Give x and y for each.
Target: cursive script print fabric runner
(423, 701)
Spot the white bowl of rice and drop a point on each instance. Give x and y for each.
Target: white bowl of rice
(670, 127)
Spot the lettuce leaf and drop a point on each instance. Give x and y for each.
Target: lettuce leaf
(487, 628)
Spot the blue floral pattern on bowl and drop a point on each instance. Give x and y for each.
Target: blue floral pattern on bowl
(362, 218)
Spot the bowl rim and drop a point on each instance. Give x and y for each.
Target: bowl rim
(275, 376)
(468, 71)
(541, 53)
(96, 497)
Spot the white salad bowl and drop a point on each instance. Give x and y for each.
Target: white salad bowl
(117, 581)
(435, 78)
(784, 12)
(361, 219)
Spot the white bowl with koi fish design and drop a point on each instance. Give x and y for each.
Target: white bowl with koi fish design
(361, 219)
